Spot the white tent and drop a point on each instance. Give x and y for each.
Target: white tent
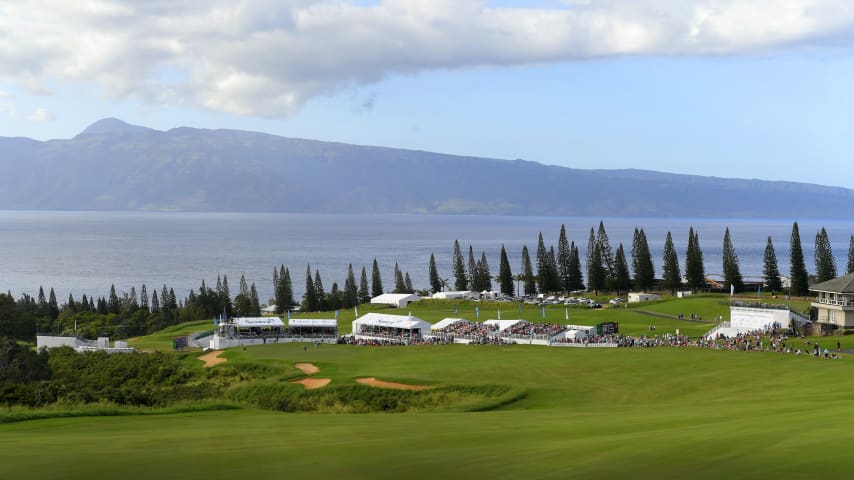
(446, 322)
(502, 324)
(573, 334)
(462, 294)
(313, 323)
(258, 322)
(398, 300)
(397, 328)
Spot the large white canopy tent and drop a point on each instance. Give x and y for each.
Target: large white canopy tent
(397, 328)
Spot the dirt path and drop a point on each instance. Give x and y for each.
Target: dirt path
(312, 383)
(212, 358)
(373, 382)
(307, 368)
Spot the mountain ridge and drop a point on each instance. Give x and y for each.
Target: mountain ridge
(113, 165)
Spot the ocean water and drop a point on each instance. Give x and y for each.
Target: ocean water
(86, 252)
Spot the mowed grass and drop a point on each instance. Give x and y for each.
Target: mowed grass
(597, 413)
(162, 340)
(585, 413)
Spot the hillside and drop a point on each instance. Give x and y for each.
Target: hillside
(115, 166)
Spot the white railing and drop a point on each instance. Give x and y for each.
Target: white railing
(713, 332)
(840, 303)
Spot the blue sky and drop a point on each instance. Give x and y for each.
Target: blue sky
(755, 89)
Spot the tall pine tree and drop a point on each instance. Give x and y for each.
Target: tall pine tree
(732, 271)
(825, 264)
(399, 283)
(530, 287)
(435, 281)
(309, 297)
(564, 262)
(376, 280)
(695, 271)
(576, 278)
(484, 273)
(472, 279)
(798, 277)
(319, 291)
(459, 269)
(543, 273)
(770, 270)
(850, 268)
(671, 276)
(622, 277)
(351, 289)
(642, 262)
(606, 253)
(597, 274)
(407, 283)
(591, 247)
(364, 293)
(505, 276)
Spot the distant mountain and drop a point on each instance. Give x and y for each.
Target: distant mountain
(116, 166)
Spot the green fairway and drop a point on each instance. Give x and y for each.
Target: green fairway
(601, 413)
(666, 412)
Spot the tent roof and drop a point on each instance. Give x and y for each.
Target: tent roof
(395, 297)
(837, 285)
(445, 322)
(502, 324)
(312, 322)
(392, 321)
(258, 322)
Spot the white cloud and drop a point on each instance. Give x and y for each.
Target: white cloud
(267, 57)
(7, 104)
(40, 115)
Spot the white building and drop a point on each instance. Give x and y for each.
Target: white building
(637, 297)
(397, 300)
(393, 328)
(310, 329)
(80, 345)
(457, 295)
(748, 317)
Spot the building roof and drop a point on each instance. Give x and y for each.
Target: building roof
(395, 298)
(392, 321)
(313, 322)
(837, 285)
(247, 322)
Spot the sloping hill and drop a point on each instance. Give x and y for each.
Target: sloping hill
(116, 166)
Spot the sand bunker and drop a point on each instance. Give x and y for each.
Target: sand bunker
(307, 368)
(312, 383)
(212, 358)
(373, 382)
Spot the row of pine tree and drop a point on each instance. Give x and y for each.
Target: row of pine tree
(605, 269)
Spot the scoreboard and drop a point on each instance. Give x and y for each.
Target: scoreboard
(607, 328)
(179, 343)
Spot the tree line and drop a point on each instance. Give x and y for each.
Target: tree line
(607, 269)
(557, 270)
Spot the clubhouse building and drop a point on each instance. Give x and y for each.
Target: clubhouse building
(834, 303)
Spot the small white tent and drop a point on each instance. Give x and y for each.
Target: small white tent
(397, 300)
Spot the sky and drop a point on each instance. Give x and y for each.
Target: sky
(746, 89)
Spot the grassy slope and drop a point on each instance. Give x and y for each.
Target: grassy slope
(601, 413)
(663, 413)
